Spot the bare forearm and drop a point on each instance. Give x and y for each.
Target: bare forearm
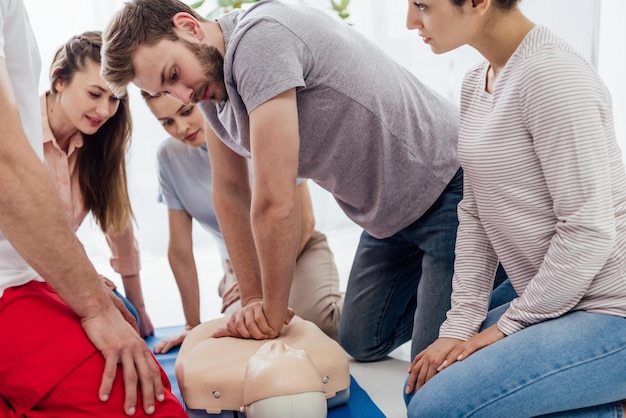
(276, 206)
(183, 266)
(307, 218)
(30, 214)
(276, 232)
(32, 219)
(234, 217)
(132, 290)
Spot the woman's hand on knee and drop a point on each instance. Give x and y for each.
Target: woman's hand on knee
(429, 362)
(478, 341)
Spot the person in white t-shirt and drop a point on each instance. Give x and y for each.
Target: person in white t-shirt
(63, 331)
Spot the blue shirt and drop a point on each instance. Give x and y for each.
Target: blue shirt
(185, 184)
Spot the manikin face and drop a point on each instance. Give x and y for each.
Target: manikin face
(183, 122)
(281, 381)
(187, 70)
(441, 24)
(278, 369)
(86, 101)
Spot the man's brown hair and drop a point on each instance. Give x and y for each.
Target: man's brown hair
(139, 22)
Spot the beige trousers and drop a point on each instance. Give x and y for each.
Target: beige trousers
(314, 292)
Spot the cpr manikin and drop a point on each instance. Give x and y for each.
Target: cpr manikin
(225, 377)
(282, 382)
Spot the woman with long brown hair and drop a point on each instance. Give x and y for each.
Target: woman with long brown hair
(86, 131)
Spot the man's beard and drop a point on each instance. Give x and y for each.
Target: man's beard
(212, 63)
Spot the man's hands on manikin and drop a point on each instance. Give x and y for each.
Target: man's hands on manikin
(255, 321)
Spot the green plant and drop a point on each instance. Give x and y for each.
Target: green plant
(222, 5)
(340, 6)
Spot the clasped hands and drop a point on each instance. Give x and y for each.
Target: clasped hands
(444, 352)
(255, 321)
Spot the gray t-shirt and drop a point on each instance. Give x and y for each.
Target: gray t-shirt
(370, 133)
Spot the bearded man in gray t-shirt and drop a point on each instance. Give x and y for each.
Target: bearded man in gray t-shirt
(304, 95)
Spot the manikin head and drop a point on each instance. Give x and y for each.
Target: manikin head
(213, 373)
(164, 47)
(281, 381)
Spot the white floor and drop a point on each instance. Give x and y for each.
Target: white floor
(383, 381)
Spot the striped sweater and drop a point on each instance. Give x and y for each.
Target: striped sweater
(545, 191)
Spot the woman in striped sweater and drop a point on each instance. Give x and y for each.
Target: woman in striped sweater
(544, 194)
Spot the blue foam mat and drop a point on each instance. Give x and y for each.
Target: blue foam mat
(360, 405)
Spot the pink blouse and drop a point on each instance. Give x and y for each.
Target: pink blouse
(64, 172)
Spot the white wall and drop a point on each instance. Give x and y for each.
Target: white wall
(612, 61)
(384, 22)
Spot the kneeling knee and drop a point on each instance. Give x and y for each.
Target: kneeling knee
(361, 352)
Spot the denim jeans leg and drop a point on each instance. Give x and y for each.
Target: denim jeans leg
(129, 306)
(399, 287)
(435, 235)
(502, 294)
(570, 366)
(379, 303)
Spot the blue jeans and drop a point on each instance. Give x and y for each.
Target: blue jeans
(503, 292)
(399, 287)
(571, 366)
(129, 306)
